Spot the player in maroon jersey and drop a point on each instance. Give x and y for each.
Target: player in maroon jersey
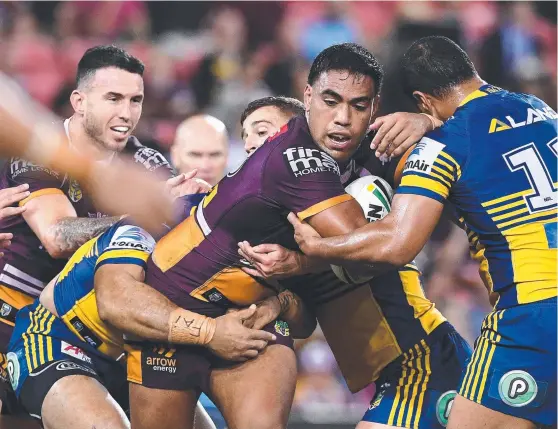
(197, 265)
(59, 215)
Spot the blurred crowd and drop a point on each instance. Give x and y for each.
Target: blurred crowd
(215, 57)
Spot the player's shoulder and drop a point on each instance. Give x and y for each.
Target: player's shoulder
(125, 235)
(150, 158)
(19, 170)
(294, 133)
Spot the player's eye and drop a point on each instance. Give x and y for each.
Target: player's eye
(330, 102)
(262, 133)
(361, 107)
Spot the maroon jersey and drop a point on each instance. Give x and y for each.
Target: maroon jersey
(26, 266)
(200, 256)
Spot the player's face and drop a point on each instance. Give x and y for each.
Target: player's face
(261, 124)
(339, 110)
(112, 106)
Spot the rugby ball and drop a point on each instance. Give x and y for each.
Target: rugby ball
(374, 196)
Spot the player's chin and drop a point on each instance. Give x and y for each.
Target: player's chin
(340, 151)
(116, 144)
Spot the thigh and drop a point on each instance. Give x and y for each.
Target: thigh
(513, 368)
(152, 408)
(79, 402)
(258, 393)
(466, 414)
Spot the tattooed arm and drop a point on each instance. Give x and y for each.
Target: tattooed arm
(121, 297)
(54, 221)
(71, 232)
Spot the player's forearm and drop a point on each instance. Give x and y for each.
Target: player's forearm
(68, 234)
(131, 306)
(138, 310)
(377, 244)
(309, 264)
(301, 320)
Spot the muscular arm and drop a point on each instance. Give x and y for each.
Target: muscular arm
(344, 218)
(53, 219)
(394, 240)
(121, 301)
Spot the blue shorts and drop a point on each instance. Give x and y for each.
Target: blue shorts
(416, 390)
(43, 350)
(513, 368)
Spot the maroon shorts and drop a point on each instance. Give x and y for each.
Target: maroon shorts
(185, 367)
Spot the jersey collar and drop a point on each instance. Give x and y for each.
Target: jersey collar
(481, 92)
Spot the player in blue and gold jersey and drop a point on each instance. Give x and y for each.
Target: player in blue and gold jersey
(67, 347)
(385, 330)
(495, 161)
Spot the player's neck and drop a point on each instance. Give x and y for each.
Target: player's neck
(456, 97)
(463, 90)
(83, 142)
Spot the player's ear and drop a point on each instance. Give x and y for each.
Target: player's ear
(307, 97)
(423, 102)
(78, 101)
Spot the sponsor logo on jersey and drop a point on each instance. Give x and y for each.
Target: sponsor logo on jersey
(532, 116)
(517, 388)
(166, 363)
(5, 310)
(443, 406)
(304, 161)
(74, 191)
(132, 237)
(423, 156)
(74, 352)
(19, 166)
(150, 159)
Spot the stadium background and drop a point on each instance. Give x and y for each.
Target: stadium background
(215, 57)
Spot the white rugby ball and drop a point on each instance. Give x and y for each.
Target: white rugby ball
(374, 196)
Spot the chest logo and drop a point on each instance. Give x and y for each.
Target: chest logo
(74, 191)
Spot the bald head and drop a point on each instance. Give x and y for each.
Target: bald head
(201, 142)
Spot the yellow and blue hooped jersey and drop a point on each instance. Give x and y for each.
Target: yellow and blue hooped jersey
(495, 160)
(74, 293)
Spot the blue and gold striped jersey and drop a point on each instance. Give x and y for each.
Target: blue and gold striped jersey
(495, 160)
(74, 293)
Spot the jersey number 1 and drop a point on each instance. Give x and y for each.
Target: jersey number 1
(528, 159)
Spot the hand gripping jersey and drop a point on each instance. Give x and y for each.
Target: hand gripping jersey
(495, 160)
(26, 266)
(200, 257)
(78, 322)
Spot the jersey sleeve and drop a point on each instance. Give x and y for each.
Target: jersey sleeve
(153, 161)
(128, 244)
(434, 166)
(302, 178)
(41, 180)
